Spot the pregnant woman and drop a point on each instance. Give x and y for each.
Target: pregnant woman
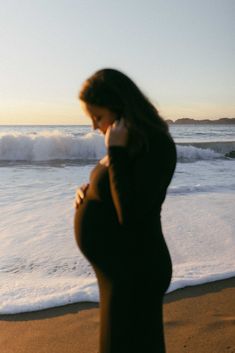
(118, 213)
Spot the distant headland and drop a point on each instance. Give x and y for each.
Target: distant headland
(203, 121)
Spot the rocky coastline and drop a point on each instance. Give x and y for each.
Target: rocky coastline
(203, 121)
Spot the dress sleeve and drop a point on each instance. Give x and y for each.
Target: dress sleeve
(138, 186)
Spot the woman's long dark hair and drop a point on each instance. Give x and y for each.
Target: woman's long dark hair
(114, 90)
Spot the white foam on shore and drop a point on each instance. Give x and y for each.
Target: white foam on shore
(200, 232)
(41, 266)
(32, 294)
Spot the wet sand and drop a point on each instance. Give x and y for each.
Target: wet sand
(199, 319)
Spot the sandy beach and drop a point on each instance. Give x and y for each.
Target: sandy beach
(199, 319)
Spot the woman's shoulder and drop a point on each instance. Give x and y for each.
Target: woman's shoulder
(162, 150)
(159, 138)
(156, 143)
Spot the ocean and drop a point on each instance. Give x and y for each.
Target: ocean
(40, 169)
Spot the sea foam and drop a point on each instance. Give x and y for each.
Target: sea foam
(42, 267)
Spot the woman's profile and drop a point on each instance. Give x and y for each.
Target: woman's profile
(118, 213)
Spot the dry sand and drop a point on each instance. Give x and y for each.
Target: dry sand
(197, 319)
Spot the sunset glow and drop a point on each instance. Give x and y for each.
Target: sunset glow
(181, 54)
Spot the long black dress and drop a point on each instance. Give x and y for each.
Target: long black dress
(118, 229)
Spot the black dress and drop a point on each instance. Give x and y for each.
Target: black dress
(118, 229)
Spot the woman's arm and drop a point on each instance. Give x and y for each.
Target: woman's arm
(138, 187)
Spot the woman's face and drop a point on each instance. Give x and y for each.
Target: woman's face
(101, 117)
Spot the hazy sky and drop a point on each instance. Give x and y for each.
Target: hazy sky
(181, 54)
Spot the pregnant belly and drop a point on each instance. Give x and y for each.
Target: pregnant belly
(115, 250)
(95, 227)
(101, 239)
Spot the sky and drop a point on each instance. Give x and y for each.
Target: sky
(180, 53)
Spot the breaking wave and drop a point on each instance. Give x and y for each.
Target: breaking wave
(46, 146)
(55, 145)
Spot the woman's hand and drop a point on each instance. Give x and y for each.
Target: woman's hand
(80, 194)
(116, 134)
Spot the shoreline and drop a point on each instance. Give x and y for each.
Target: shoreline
(197, 319)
